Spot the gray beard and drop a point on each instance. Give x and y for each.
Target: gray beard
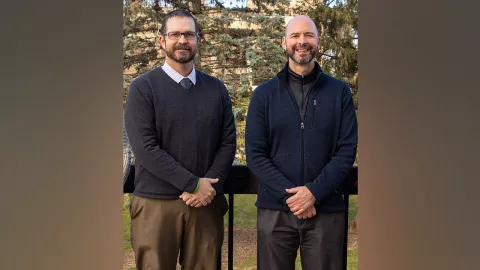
(291, 55)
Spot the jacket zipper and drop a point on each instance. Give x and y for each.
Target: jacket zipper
(302, 127)
(313, 115)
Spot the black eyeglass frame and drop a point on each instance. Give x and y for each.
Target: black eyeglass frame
(189, 35)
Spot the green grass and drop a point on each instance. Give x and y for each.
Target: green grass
(245, 212)
(353, 208)
(245, 217)
(247, 263)
(126, 223)
(352, 259)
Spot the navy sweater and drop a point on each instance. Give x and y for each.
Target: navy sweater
(179, 135)
(285, 152)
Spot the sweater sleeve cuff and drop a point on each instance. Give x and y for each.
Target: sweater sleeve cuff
(286, 198)
(192, 185)
(198, 186)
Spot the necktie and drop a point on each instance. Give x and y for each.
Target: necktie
(186, 83)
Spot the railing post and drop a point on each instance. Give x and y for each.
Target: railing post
(230, 231)
(345, 239)
(219, 260)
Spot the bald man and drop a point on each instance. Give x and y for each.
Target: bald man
(301, 142)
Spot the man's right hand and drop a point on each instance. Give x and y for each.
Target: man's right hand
(205, 192)
(309, 213)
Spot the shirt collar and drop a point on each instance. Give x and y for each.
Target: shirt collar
(177, 76)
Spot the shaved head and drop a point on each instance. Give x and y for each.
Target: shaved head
(300, 20)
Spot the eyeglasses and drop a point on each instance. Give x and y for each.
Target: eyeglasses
(177, 35)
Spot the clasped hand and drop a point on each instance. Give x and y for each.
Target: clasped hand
(302, 202)
(204, 194)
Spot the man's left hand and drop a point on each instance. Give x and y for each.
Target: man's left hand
(301, 201)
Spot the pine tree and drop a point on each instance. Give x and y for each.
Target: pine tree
(242, 45)
(338, 26)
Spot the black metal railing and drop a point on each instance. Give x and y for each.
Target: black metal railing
(241, 181)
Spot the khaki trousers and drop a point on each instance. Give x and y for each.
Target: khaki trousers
(163, 231)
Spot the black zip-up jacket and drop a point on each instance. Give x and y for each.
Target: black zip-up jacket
(179, 135)
(285, 151)
(300, 85)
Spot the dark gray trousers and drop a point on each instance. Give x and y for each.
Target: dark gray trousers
(281, 234)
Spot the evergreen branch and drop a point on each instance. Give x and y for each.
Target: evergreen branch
(328, 55)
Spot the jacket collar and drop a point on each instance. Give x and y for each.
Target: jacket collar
(283, 74)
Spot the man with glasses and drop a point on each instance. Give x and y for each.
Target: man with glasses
(181, 129)
(301, 139)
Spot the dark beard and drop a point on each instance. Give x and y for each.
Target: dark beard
(291, 54)
(183, 58)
